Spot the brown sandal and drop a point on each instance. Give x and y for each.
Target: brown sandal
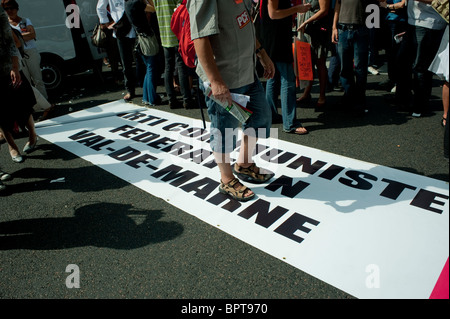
(251, 174)
(237, 193)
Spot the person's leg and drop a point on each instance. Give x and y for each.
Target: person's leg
(126, 46)
(306, 96)
(257, 127)
(446, 139)
(428, 42)
(148, 88)
(445, 102)
(13, 148)
(223, 142)
(346, 55)
(169, 55)
(32, 63)
(229, 183)
(32, 137)
(361, 51)
(183, 77)
(334, 68)
(272, 92)
(401, 73)
(288, 101)
(323, 78)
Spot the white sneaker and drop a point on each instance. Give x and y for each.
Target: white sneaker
(4, 176)
(416, 114)
(372, 70)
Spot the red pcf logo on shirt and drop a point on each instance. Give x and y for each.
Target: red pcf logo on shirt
(243, 19)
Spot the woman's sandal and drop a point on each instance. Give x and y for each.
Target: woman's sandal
(443, 121)
(299, 131)
(251, 174)
(129, 97)
(238, 193)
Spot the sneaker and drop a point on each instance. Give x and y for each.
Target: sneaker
(416, 114)
(372, 70)
(4, 176)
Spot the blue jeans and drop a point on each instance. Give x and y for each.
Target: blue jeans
(334, 69)
(353, 48)
(283, 84)
(148, 87)
(222, 122)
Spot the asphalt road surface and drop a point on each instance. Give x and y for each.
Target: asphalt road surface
(183, 257)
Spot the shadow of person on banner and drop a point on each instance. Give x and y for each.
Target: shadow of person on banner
(110, 225)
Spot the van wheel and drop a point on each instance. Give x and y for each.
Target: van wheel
(52, 74)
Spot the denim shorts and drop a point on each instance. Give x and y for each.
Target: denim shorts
(223, 124)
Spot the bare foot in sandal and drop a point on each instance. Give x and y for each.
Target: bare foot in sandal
(301, 131)
(236, 190)
(252, 173)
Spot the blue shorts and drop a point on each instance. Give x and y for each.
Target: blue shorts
(224, 125)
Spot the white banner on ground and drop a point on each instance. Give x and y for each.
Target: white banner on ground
(369, 230)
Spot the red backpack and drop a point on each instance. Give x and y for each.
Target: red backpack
(181, 26)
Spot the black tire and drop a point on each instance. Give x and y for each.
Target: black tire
(52, 73)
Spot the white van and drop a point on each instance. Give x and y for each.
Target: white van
(64, 50)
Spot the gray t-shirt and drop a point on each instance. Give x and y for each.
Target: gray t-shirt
(228, 25)
(352, 12)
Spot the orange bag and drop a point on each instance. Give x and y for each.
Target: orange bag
(303, 62)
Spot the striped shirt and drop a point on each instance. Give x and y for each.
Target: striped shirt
(164, 12)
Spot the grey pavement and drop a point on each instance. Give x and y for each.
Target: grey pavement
(130, 244)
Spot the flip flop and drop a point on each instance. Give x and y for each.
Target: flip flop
(296, 131)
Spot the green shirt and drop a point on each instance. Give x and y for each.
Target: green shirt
(164, 12)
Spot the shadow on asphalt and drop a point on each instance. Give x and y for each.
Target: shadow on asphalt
(109, 225)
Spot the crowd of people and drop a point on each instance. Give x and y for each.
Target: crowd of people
(339, 31)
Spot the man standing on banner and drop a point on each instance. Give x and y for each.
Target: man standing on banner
(351, 35)
(225, 43)
(275, 30)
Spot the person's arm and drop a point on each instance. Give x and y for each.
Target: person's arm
(15, 70)
(323, 11)
(392, 7)
(30, 34)
(266, 62)
(205, 56)
(275, 13)
(334, 34)
(102, 13)
(150, 6)
(15, 73)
